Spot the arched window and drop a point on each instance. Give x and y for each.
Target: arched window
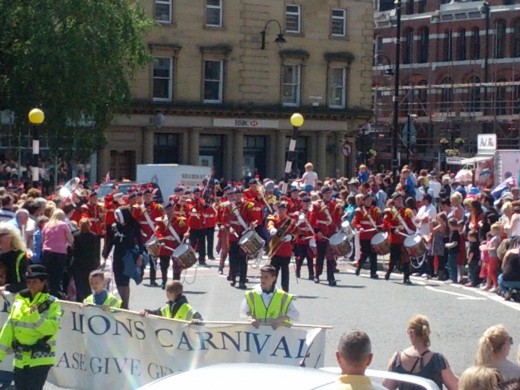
(515, 44)
(462, 45)
(424, 41)
(474, 94)
(448, 45)
(501, 98)
(447, 95)
(500, 38)
(408, 47)
(474, 48)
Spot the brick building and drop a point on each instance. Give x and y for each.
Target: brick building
(459, 75)
(213, 96)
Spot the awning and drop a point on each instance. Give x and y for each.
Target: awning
(467, 161)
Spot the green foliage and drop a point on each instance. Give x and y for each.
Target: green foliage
(73, 59)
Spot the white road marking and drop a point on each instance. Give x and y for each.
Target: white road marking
(460, 296)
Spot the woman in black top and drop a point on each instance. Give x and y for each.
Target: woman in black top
(85, 258)
(13, 258)
(123, 236)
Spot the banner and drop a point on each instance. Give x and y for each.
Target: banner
(124, 350)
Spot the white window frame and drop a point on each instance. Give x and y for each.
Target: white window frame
(342, 19)
(220, 81)
(169, 80)
(214, 7)
(333, 88)
(168, 3)
(292, 14)
(294, 85)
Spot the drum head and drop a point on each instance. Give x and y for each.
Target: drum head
(412, 241)
(345, 225)
(180, 250)
(337, 238)
(245, 237)
(379, 238)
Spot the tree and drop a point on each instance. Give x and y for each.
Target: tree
(74, 60)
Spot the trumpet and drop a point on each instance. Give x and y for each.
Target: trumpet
(277, 240)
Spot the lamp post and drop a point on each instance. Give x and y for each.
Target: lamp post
(485, 10)
(409, 143)
(36, 118)
(296, 122)
(395, 122)
(279, 38)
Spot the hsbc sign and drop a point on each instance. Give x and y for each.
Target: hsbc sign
(246, 123)
(486, 143)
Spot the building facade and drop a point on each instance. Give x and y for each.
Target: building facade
(459, 76)
(213, 96)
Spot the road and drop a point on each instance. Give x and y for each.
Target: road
(458, 315)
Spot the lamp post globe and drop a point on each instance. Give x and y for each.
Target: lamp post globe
(36, 116)
(297, 120)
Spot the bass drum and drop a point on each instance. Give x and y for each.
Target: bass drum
(185, 256)
(339, 244)
(251, 243)
(380, 244)
(415, 246)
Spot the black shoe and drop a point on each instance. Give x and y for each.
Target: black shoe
(203, 265)
(374, 276)
(163, 285)
(229, 278)
(242, 286)
(311, 277)
(154, 284)
(387, 276)
(336, 270)
(332, 283)
(233, 283)
(247, 280)
(358, 271)
(298, 274)
(407, 282)
(211, 258)
(220, 271)
(317, 280)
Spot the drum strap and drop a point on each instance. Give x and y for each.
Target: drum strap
(401, 220)
(239, 217)
(371, 220)
(174, 233)
(148, 219)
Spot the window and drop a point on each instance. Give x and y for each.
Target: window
(339, 23)
(515, 47)
(291, 76)
(422, 6)
(337, 88)
(213, 81)
(500, 39)
(501, 98)
(447, 95)
(462, 49)
(516, 98)
(163, 11)
(409, 7)
(422, 52)
(214, 13)
(422, 96)
(162, 79)
(474, 49)
(474, 94)
(292, 19)
(408, 47)
(166, 148)
(448, 46)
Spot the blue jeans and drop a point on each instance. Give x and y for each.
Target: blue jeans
(507, 285)
(452, 266)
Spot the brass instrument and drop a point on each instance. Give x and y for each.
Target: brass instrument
(277, 240)
(261, 191)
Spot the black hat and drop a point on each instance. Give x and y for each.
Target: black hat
(196, 189)
(36, 271)
(238, 190)
(178, 189)
(282, 205)
(325, 189)
(306, 199)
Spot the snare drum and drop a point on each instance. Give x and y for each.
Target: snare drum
(185, 256)
(153, 248)
(415, 246)
(380, 244)
(251, 242)
(345, 227)
(339, 244)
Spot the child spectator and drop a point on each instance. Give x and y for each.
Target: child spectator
(473, 259)
(494, 262)
(453, 249)
(100, 295)
(484, 264)
(177, 306)
(462, 256)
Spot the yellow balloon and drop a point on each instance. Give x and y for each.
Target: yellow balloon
(297, 120)
(36, 116)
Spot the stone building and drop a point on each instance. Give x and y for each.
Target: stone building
(214, 96)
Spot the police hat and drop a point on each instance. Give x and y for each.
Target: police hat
(36, 271)
(306, 199)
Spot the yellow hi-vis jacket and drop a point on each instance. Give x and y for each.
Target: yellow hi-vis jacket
(110, 301)
(31, 333)
(277, 307)
(185, 312)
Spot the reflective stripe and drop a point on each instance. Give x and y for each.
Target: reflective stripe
(18, 261)
(29, 325)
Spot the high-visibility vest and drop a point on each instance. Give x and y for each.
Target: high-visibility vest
(32, 335)
(185, 312)
(110, 301)
(277, 307)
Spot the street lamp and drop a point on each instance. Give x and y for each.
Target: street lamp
(279, 38)
(395, 122)
(409, 142)
(36, 118)
(296, 122)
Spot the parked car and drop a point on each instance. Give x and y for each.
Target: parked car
(257, 376)
(125, 186)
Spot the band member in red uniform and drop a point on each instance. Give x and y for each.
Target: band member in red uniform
(239, 219)
(170, 232)
(305, 243)
(95, 215)
(394, 221)
(254, 195)
(210, 215)
(293, 203)
(325, 218)
(280, 228)
(367, 220)
(146, 215)
(223, 209)
(197, 225)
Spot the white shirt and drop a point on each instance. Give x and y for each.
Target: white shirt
(425, 211)
(310, 178)
(292, 312)
(435, 187)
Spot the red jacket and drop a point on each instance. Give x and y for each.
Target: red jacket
(362, 222)
(283, 248)
(391, 221)
(167, 239)
(304, 231)
(236, 228)
(95, 217)
(154, 211)
(196, 215)
(210, 217)
(325, 218)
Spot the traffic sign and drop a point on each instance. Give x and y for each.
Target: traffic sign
(346, 149)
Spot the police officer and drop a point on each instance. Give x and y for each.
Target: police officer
(266, 304)
(30, 331)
